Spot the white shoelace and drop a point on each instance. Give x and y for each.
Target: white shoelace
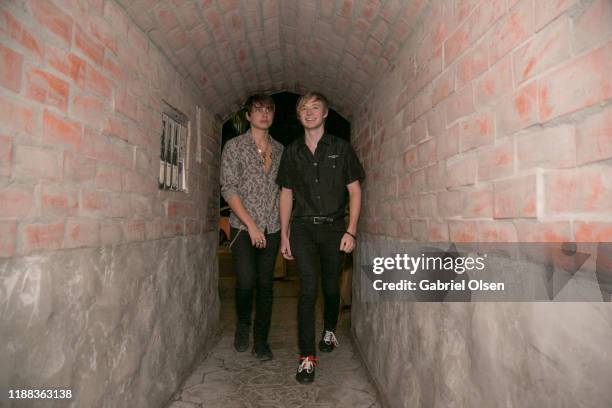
(307, 364)
(330, 338)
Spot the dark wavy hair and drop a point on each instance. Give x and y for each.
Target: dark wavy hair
(259, 99)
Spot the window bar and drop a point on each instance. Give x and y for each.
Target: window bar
(168, 169)
(162, 154)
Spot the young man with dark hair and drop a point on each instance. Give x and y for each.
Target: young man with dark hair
(316, 174)
(249, 165)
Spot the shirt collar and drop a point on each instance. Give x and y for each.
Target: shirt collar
(325, 139)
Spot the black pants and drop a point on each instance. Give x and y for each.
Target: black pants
(317, 247)
(254, 270)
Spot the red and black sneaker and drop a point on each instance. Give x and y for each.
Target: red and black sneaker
(306, 370)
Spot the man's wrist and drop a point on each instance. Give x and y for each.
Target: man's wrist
(351, 234)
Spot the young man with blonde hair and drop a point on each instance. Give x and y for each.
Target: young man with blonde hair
(316, 174)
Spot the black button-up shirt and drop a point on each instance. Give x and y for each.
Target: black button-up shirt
(319, 181)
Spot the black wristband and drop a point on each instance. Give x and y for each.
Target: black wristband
(354, 237)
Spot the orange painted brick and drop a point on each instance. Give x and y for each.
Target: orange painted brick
(593, 231)
(478, 130)
(103, 33)
(95, 203)
(418, 131)
(497, 231)
(472, 64)
(120, 206)
(426, 152)
(462, 171)
(435, 122)
(450, 204)
(546, 11)
(82, 232)
(61, 131)
(496, 161)
(108, 177)
(53, 19)
(481, 19)
(546, 49)
(460, 104)
(134, 230)
(67, 63)
(15, 29)
(40, 237)
(534, 231)
(594, 26)
(448, 143)
(123, 154)
(594, 138)
(111, 233)
(116, 16)
(36, 163)
(435, 176)
(126, 104)
(438, 231)
(89, 46)
(16, 201)
(443, 86)
(494, 83)
(582, 82)
(57, 200)
(47, 88)
(547, 148)
(6, 155)
(97, 145)
(180, 209)
(90, 110)
(517, 111)
(515, 198)
(142, 206)
(79, 168)
(516, 27)
(581, 190)
(478, 203)
(8, 236)
(98, 83)
(463, 231)
(11, 64)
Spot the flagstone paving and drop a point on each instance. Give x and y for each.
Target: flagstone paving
(228, 379)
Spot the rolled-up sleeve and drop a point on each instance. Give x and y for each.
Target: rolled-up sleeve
(230, 171)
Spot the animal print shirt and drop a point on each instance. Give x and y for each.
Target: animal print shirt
(242, 174)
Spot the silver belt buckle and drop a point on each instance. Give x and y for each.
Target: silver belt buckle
(318, 220)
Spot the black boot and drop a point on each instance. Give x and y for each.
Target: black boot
(262, 352)
(241, 337)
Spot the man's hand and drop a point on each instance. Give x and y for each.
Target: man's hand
(258, 238)
(347, 243)
(286, 248)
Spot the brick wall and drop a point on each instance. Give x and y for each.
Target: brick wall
(495, 124)
(81, 91)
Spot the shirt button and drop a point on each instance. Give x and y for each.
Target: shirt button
(315, 163)
(319, 197)
(316, 180)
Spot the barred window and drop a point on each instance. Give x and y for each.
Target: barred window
(173, 153)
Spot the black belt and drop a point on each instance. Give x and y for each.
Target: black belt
(319, 220)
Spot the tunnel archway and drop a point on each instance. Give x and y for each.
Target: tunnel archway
(476, 121)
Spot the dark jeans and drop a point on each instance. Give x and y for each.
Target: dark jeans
(317, 247)
(254, 270)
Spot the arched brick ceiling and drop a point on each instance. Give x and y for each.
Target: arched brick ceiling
(232, 48)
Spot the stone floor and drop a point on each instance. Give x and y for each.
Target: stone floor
(228, 379)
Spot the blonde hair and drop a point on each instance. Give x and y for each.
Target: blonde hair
(310, 96)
